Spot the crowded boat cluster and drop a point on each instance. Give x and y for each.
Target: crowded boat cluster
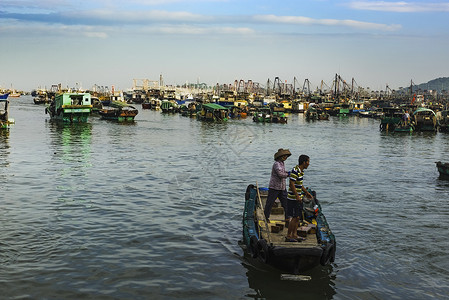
(405, 110)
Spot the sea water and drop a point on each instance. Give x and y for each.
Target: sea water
(153, 209)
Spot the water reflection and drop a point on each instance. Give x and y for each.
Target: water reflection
(71, 146)
(4, 154)
(266, 283)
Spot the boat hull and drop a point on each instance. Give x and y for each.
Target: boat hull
(443, 169)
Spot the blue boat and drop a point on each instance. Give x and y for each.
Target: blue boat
(4, 96)
(265, 240)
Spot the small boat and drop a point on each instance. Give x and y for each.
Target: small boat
(5, 121)
(311, 113)
(15, 94)
(392, 117)
(70, 107)
(213, 112)
(323, 116)
(443, 169)
(118, 111)
(266, 240)
(263, 115)
(425, 119)
(4, 96)
(169, 106)
(279, 117)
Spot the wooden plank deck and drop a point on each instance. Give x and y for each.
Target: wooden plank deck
(277, 217)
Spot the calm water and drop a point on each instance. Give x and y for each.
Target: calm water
(152, 210)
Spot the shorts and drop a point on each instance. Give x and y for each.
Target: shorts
(294, 209)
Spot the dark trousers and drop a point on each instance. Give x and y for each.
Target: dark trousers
(272, 195)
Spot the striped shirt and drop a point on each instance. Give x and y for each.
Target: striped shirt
(297, 176)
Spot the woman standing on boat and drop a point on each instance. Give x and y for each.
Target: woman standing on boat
(277, 186)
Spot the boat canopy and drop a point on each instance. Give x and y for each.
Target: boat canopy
(423, 109)
(213, 106)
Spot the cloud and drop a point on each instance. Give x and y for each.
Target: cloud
(400, 6)
(298, 20)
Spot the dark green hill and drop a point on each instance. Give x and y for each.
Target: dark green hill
(439, 85)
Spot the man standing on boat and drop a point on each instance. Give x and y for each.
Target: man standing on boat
(277, 187)
(296, 193)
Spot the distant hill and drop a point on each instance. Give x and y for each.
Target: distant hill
(439, 84)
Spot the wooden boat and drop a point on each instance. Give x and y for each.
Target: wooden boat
(279, 117)
(169, 106)
(213, 112)
(266, 240)
(5, 121)
(15, 94)
(118, 111)
(391, 119)
(70, 107)
(323, 116)
(146, 104)
(425, 119)
(311, 113)
(443, 169)
(41, 99)
(263, 115)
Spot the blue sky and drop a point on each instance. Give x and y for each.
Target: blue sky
(218, 41)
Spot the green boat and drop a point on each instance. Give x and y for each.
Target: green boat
(70, 107)
(425, 119)
(263, 115)
(212, 112)
(392, 117)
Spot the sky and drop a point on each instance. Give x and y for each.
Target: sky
(110, 42)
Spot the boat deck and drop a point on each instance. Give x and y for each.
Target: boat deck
(278, 238)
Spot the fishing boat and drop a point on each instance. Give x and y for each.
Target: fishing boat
(443, 169)
(443, 120)
(169, 106)
(311, 113)
(392, 117)
(118, 111)
(70, 107)
(262, 115)
(265, 240)
(425, 119)
(5, 121)
(213, 112)
(4, 96)
(279, 117)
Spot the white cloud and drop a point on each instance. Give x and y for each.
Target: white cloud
(400, 6)
(298, 20)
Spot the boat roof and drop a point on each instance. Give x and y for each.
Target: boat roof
(213, 106)
(421, 109)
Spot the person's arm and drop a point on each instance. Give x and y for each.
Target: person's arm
(306, 192)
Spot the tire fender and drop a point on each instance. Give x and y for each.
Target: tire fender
(264, 252)
(253, 246)
(326, 256)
